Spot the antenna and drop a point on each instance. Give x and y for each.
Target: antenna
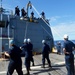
(1, 3)
(1, 9)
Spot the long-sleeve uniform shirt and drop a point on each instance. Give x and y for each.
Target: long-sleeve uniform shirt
(14, 53)
(45, 49)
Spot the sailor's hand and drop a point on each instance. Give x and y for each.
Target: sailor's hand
(6, 54)
(67, 52)
(20, 48)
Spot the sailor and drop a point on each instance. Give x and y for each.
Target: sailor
(58, 48)
(17, 11)
(43, 15)
(45, 54)
(23, 12)
(68, 47)
(32, 14)
(15, 59)
(27, 56)
(30, 47)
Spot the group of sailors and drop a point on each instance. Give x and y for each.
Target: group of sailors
(15, 56)
(24, 13)
(16, 62)
(67, 48)
(17, 11)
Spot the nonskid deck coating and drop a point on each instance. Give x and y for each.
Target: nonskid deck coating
(57, 62)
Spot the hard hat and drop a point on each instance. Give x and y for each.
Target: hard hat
(21, 18)
(11, 42)
(25, 40)
(43, 41)
(65, 36)
(28, 40)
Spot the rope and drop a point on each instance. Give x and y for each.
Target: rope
(56, 33)
(26, 31)
(43, 20)
(46, 31)
(46, 22)
(40, 16)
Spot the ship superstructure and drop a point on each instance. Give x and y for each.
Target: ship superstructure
(19, 28)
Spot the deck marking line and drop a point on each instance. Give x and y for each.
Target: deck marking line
(35, 67)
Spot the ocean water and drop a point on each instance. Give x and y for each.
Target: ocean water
(61, 41)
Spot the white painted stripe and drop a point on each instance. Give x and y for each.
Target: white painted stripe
(60, 63)
(2, 72)
(36, 67)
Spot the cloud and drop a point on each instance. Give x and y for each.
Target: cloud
(63, 28)
(60, 18)
(52, 19)
(61, 25)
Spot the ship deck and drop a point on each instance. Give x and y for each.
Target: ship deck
(57, 62)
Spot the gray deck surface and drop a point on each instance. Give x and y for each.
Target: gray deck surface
(57, 62)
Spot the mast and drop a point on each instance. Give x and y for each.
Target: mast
(1, 9)
(1, 3)
(1, 27)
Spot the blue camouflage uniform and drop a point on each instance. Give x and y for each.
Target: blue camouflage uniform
(15, 61)
(58, 48)
(69, 58)
(30, 47)
(27, 57)
(45, 54)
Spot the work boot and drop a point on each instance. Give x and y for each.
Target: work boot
(33, 64)
(30, 69)
(27, 73)
(50, 66)
(42, 66)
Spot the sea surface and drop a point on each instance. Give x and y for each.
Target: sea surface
(61, 41)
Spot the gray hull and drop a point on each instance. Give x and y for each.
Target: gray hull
(19, 29)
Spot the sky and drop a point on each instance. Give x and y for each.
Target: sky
(61, 14)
